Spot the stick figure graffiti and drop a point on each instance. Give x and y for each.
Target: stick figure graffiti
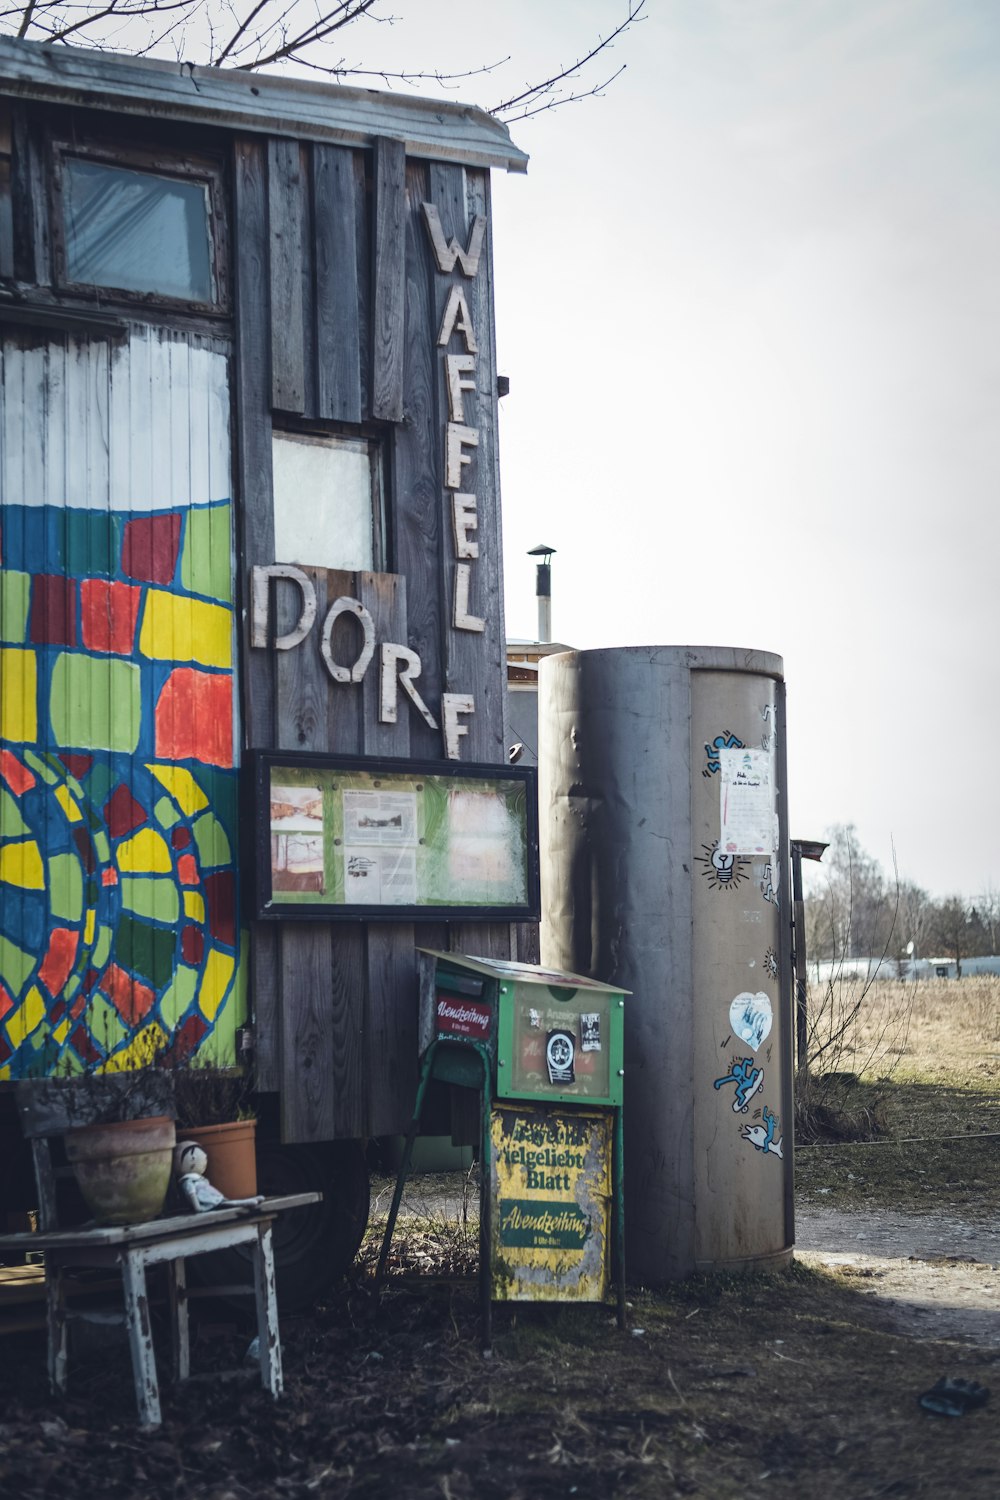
(724, 741)
(748, 1080)
(761, 1137)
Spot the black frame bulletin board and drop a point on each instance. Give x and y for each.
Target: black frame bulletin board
(351, 837)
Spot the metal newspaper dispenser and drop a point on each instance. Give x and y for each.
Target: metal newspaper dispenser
(544, 1049)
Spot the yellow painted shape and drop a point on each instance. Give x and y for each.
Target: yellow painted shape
(194, 906)
(216, 979)
(28, 1016)
(21, 865)
(182, 787)
(68, 805)
(176, 628)
(62, 1030)
(18, 695)
(88, 927)
(140, 1051)
(145, 853)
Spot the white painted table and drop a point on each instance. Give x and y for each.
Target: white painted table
(133, 1247)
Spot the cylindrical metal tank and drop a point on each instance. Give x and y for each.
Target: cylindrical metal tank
(664, 838)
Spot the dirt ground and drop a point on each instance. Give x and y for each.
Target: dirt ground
(801, 1384)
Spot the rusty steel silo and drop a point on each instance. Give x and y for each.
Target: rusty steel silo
(664, 839)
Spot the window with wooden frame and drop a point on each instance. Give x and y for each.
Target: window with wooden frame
(329, 501)
(140, 225)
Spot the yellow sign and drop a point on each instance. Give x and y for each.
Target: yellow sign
(551, 1203)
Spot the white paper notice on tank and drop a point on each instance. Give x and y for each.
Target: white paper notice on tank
(750, 1017)
(746, 801)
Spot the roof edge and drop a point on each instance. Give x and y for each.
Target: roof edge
(258, 103)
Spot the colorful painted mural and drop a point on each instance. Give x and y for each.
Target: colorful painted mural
(119, 925)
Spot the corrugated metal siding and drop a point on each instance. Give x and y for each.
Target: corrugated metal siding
(118, 914)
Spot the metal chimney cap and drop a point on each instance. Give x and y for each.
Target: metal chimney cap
(541, 551)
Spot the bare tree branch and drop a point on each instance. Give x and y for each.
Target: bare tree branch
(268, 33)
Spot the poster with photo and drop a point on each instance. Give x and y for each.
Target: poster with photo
(297, 828)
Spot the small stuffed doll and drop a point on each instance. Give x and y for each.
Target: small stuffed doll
(190, 1162)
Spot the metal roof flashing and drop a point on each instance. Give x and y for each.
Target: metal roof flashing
(255, 102)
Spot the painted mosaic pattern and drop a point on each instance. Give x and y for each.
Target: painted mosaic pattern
(118, 796)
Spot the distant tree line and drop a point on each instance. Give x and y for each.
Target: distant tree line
(854, 909)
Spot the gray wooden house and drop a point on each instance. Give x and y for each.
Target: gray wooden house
(249, 502)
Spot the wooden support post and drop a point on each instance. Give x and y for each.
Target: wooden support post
(55, 1309)
(180, 1333)
(269, 1340)
(147, 1391)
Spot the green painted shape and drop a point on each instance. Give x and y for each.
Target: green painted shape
(43, 769)
(166, 813)
(148, 897)
(104, 1023)
(178, 997)
(213, 845)
(71, 986)
(89, 541)
(11, 822)
(102, 848)
(14, 591)
(15, 966)
(221, 789)
(100, 779)
(69, 1064)
(102, 948)
(95, 702)
(207, 554)
(65, 887)
(147, 951)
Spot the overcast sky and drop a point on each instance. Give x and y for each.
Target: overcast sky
(749, 304)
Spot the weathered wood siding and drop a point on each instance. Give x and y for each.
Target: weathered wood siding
(339, 302)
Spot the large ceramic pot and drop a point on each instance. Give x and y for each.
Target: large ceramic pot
(232, 1155)
(123, 1169)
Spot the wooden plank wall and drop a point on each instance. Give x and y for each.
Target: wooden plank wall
(338, 305)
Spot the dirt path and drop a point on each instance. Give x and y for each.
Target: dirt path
(937, 1275)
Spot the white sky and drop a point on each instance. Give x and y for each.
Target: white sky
(749, 304)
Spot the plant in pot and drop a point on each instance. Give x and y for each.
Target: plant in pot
(215, 1109)
(119, 1140)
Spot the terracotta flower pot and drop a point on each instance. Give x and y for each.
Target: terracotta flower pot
(123, 1169)
(232, 1155)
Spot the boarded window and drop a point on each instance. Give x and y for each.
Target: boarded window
(327, 501)
(137, 231)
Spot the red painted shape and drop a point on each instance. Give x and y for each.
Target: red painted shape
(187, 869)
(76, 765)
(149, 547)
(109, 876)
(53, 610)
(6, 1003)
(85, 849)
(58, 962)
(83, 1046)
(130, 998)
(108, 612)
(192, 945)
(180, 838)
(194, 717)
(220, 896)
(122, 812)
(187, 1037)
(17, 776)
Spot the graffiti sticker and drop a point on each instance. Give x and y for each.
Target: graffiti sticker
(750, 1017)
(761, 1137)
(748, 1080)
(722, 871)
(724, 741)
(560, 1052)
(771, 964)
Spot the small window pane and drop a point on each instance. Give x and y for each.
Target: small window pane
(137, 231)
(323, 514)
